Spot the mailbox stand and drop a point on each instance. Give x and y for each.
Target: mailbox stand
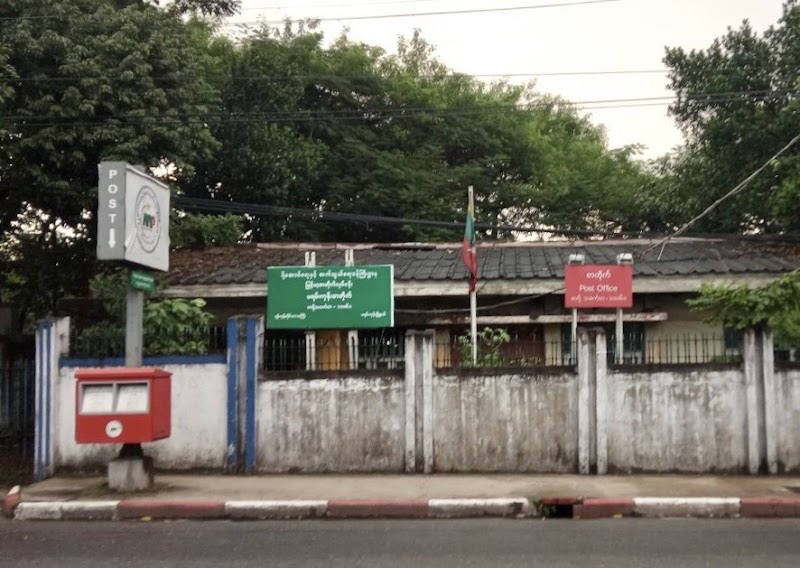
(128, 405)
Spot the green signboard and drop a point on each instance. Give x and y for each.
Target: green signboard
(142, 281)
(330, 297)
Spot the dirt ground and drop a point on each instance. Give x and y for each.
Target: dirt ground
(14, 470)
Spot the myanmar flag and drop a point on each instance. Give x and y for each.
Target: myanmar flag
(468, 253)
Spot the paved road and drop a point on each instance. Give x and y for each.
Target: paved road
(377, 544)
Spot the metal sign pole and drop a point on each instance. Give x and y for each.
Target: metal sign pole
(134, 326)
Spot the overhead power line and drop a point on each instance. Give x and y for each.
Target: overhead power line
(429, 14)
(381, 113)
(736, 190)
(322, 76)
(217, 206)
(370, 17)
(347, 5)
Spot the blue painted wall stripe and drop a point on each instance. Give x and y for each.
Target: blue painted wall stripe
(233, 363)
(250, 399)
(37, 465)
(148, 361)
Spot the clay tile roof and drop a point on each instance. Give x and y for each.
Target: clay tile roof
(246, 264)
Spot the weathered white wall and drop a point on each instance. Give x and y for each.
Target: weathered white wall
(788, 418)
(199, 424)
(505, 422)
(347, 424)
(688, 420)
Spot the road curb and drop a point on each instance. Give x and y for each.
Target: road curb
(275, 510)
(378, 508)
(770, 507)
(514, 507)
(698, 507)
(134, 509)
(603, 509)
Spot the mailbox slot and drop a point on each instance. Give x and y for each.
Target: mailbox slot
(114, 398)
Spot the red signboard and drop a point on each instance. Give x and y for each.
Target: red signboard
(598, 286)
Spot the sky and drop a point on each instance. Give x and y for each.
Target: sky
(592, 36)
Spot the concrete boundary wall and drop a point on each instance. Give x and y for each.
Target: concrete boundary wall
(787, 418)
(593, 419)
(337, 424)
(198, 437)
(506, 421)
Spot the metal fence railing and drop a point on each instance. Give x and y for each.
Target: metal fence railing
(455, 352)
(385, 349)
(17, 396)
(333, 352)
(109, 341)
(634, 349)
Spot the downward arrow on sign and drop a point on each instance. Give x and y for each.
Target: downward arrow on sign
(112, 241)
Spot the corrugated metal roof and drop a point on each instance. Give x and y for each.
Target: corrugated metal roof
(246, 264)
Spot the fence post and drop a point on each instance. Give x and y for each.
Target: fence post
(754, 388)
(419, 401)
(52, 342)
(245, 349)
(770, 399)
(601, 402)
(253, 349)
(586, 380)
(236, 355)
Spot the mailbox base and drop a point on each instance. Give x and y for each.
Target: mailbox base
(130, 474)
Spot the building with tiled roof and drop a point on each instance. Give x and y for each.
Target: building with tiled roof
(520, 285)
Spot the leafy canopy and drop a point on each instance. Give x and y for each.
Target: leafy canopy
(737, 105)
(776, 305)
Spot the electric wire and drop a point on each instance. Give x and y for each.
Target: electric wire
(364, 17)
(382, 113)
(738, 188)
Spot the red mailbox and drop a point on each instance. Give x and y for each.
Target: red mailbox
(122, 405)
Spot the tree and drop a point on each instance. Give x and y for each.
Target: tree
(776, 305)
(351, 129)
(737, 105)
(86, 81)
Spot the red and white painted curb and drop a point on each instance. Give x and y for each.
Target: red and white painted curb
(137, 509)
(516, 507)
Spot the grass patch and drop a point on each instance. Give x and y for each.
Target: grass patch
(97, 490)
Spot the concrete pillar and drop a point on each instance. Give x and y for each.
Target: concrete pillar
(601, 402)
(586, 378)
(419, 403)
(754, 393)
(411, 403)
(770, 399)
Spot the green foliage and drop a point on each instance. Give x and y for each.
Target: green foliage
(98, 80)
(490, 340)
(204, 231)
(732, 134)
(351, 129)
(776, 304)
(176, 327)
(171, 326)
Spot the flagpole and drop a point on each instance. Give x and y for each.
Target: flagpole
(473, 305)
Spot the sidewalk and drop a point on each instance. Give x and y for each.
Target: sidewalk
(441, 495)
